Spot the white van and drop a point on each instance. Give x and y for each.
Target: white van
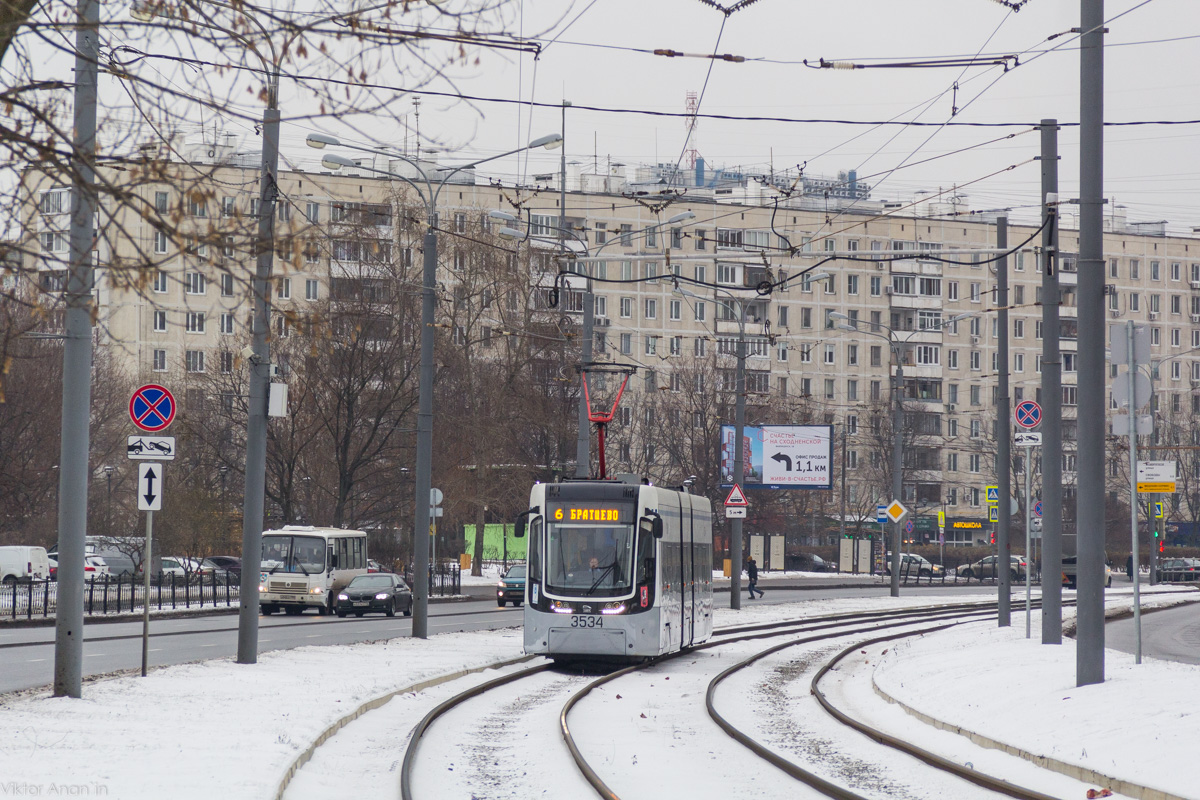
(22, 563)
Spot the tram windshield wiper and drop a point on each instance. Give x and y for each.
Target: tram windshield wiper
(603, 574)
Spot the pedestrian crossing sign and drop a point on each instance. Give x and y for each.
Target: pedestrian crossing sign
(993, 494)
(994, 514)
(1158, 510)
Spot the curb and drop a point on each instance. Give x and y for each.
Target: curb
(371, 705)
(1075, 771)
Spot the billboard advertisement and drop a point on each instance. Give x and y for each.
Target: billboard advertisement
(781, 456)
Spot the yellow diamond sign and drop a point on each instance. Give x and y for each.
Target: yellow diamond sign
(896, 511)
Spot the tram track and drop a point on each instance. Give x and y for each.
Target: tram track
(827, 627)
(416, 769)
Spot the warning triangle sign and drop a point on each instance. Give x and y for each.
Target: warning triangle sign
(736, 497)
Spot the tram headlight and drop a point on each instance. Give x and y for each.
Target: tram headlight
(561, 607)
(613, 608)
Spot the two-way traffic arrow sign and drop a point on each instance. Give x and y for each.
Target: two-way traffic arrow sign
(150, 486)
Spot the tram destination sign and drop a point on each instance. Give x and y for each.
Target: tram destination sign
(781, 456)
(591, 512)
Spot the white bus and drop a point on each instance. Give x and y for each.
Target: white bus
(305, 567)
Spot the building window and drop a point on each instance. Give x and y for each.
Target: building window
(160, 321)
(852, 395)
(195, 322)
(626, 343)
(676, 345)
(160, 360)
(226, 362)
(676, 308)
(700, 347)
(311, 289)
(851, 284)
(830, 352)
(195, 360)
(651, 345)
(700, 312)
(626, 307)
(876, 286)
(225, 323)
(160, 242)
(283, 288)
(651, 308)
(226, 285)
(162, 201)
(952, 290)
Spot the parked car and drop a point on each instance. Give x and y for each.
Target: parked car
(23, 563)
(986, 568)
(375, 592)
(95, 569)
(212, 568)
(1069, 571)
(1179, 569)
(914, 565)
(374, 566)
(176, 569)
(53, 569)
(231, 564)
(809, 562)
(511, 587)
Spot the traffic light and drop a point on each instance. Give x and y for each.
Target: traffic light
(993, 537)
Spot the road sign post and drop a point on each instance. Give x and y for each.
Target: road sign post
(149, 499)
(1029, 441)
(152, 408)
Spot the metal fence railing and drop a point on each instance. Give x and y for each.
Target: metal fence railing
(917, 575)
(123, 594)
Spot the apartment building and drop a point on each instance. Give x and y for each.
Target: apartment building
(173, 301)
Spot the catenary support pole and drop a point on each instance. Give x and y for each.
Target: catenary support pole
(1131, 376)
(854, 551)
(260, 378)
(77, 367)
(420, 622)
(1090, 525)
(739, 464)
(897, 458)
(1052, 540)
(1003, 437)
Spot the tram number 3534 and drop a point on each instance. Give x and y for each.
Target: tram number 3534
(587, 622)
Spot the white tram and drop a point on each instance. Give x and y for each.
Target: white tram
(618, 570)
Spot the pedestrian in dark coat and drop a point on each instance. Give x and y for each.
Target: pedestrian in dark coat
(752, 571)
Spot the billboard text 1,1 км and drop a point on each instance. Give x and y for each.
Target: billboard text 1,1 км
(781, 456)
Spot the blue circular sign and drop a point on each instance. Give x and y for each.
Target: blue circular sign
(1027, 414)
(1037, 509)
(152, 408)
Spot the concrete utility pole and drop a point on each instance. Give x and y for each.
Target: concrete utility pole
(583, 451)
(1131, 377)
(739, 463)
(1004, 440)
(260, 380)
(897, 456)
(1051, 395)
(1090, 525)
(77, 367)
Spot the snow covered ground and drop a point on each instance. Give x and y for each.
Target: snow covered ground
(187, 730)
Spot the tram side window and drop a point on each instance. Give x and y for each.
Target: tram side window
(645, 556)
(534, 548)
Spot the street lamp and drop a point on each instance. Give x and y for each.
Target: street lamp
(739, 427)
(428, 190)
(894, 345)
(583, 440)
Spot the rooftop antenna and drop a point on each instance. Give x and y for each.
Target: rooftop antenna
(417, 114)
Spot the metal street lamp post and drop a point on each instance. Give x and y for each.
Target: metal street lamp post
(894, 345)
(428, 190)
(739, 427)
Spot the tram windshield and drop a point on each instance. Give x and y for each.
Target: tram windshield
(585, 560)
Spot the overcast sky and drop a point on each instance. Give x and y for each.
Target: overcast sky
(1150, 61)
